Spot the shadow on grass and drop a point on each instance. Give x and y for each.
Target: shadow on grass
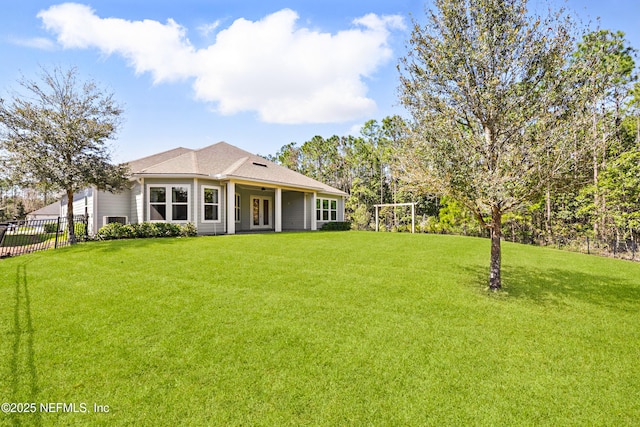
(26, 239)
(554, 286)
(24, 376)
(108, 246)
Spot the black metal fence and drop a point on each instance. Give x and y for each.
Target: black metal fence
(21, 237)
(615, 248)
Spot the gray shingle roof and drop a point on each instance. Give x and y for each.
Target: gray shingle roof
(50, 210)
(145, 162)
(225, 161)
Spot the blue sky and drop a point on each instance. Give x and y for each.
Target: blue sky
(257, 74)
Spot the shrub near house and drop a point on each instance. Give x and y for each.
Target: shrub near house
(115, 230)
(337, 226)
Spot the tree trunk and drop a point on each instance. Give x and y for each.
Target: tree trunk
(547, 219)
(603, 202)
(495, 281)
(596, 195)
(71, 229)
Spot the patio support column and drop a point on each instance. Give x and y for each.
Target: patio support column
(196, 196)
(231, 207)
(314, 224)
(304, 198)
(278, 210)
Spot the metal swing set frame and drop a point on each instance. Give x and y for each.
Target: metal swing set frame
(385, 205)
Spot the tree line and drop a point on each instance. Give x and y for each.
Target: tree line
(594, 191)
(366, 166)
(525, 131)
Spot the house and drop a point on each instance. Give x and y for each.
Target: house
(221, 189)
(51, 211)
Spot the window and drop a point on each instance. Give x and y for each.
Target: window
(109, 219)
(168, 203)
(237, 207)
(157, 204)
(326, 210)
(211, 204)
(179, 203)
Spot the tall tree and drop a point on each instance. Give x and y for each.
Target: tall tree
(484, 83)
(605, 65)
(289, 156)
(56, 133)
(620, 183)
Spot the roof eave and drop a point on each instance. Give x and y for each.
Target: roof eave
(168, 175)
(226, 177)
(285, 185)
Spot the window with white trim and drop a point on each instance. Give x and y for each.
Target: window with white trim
(168, 203)
(179, 203)
(109, 219)
(237, 207)
(326, 209)
(210, 204)
(157, 203)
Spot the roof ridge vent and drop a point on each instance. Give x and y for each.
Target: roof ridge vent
(260, 164)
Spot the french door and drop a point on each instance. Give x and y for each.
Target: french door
(261, 212)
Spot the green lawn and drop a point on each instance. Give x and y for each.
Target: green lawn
(24, 239)
(319, 329)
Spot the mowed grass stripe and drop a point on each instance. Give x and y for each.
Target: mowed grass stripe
(320, 328)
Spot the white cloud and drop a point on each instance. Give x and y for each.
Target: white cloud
(285, 73)
(355, 129)
(207, 29)
(149, 46)
(36, 43)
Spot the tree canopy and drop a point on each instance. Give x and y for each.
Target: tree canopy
(55, 133)
(486, 86)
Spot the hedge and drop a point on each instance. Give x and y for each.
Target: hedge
(115, 230)
(336, 226)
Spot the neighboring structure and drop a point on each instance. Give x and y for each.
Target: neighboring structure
(221, 189)
(51, 211)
